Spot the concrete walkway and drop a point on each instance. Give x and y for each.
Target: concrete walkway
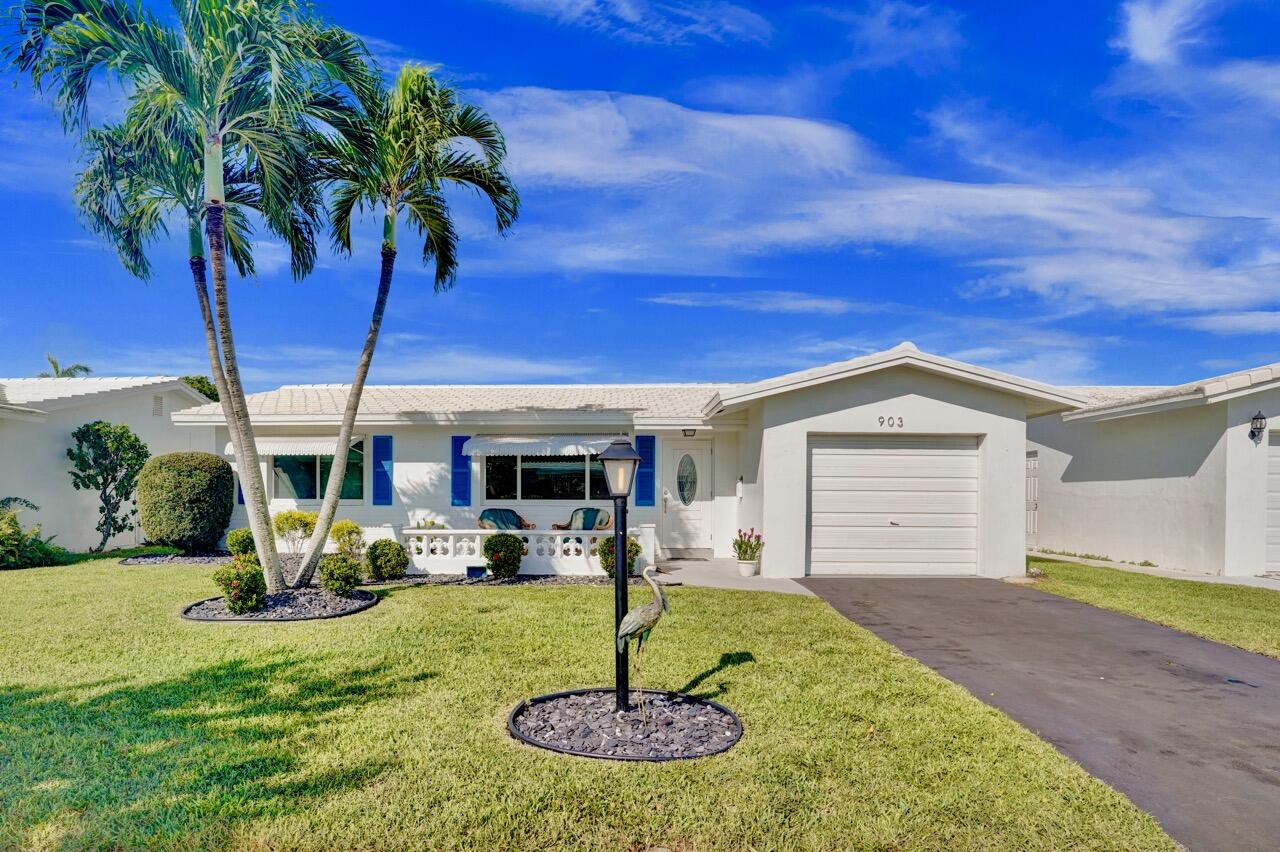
(723, 574)
(1188, 729)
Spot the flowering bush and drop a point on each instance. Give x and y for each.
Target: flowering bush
(748, 545)
(242, 584)
(605, 551)
(503, 552)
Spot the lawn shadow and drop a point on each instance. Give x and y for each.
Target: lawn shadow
(727, 660)
(154, 763)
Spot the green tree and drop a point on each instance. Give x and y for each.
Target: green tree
(57, 371)
(201, 384)
(397, 156)
(107, 459)
(247, 82)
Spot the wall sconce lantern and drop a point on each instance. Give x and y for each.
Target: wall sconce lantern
(688, 433)
(1257, 426)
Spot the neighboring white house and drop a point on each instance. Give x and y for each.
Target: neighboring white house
(898, 462)
(37, 417)
(1172, 475)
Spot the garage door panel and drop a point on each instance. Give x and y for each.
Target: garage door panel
(953, 502)
(900, 504)
(889, 519)
(907, 538)
(864, 556)
(1273, 502)
(823, 482)
(948, 466)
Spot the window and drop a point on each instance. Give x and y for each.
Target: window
(306, 477)
(544, 478)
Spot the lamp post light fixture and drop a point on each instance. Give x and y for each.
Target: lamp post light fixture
(620, 461)
(1257, 426)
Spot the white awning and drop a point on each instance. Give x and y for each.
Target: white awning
(311, 445)
(536, 445)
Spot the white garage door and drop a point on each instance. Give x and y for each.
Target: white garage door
(1273, 503)
(893, 505)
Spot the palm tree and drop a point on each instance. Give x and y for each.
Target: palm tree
(397, 156)
(247, 81)
(57, 371)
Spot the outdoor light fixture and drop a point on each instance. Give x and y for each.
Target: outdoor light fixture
(620, 461)
(1257, 426)
(688, 433)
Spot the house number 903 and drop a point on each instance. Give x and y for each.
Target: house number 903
(891, 422)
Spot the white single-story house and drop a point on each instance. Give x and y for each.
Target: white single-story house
(37, 417)
(899, 462)
(1180, 476)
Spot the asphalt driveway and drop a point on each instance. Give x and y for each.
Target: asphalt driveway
(1188, 729)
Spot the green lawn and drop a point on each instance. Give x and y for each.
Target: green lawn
(122, 725)
(1244, 616)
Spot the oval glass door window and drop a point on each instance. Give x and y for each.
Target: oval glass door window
(687, 479)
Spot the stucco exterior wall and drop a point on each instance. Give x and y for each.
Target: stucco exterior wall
(1150, 487)
(1245, 547)
(929, 405)
(34, 464)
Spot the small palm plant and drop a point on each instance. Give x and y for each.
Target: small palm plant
(58, 371)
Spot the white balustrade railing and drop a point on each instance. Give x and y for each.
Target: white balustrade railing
(444, 551)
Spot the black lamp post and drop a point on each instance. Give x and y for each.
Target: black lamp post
(620, 460)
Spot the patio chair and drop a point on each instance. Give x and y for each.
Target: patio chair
(502, 519)
(586, 518)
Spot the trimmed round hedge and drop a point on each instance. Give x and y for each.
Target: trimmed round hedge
(185, 499)
(387, 559)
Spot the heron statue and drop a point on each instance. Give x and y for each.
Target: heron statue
(639, 623)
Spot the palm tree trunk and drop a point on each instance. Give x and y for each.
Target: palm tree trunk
(247, 453)
(200, 279)
(333, 491)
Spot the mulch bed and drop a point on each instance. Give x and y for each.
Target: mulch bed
(217, 558)
(584, 722)
(306, 604)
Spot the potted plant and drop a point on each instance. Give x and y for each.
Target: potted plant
(747, 547)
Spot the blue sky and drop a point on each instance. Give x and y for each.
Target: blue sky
(729, 190)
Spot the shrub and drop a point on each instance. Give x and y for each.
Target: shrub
(185, 500)
(240, 542)
(605, 551)
(107, 459)
(387, 559)
(349, 538)
(503, 552)
(295, 527)
(242, 584)
(340, 574)
(21, 548)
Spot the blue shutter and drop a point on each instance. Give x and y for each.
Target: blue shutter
(460, 473)
(382, 478)
(646, 472)
(239, 493)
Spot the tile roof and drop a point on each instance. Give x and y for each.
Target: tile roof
(427, 401)
(1106, 399)
(36, 391)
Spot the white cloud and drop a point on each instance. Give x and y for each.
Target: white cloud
(647, 186)
(1243, 322)
(922, 37)
(1155, 31)
(670, 22)
(765, 301)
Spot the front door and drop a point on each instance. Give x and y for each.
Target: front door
(686, 498)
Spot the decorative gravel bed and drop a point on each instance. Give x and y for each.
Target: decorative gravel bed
(290, 605)
(584, 722)
(179, 559)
